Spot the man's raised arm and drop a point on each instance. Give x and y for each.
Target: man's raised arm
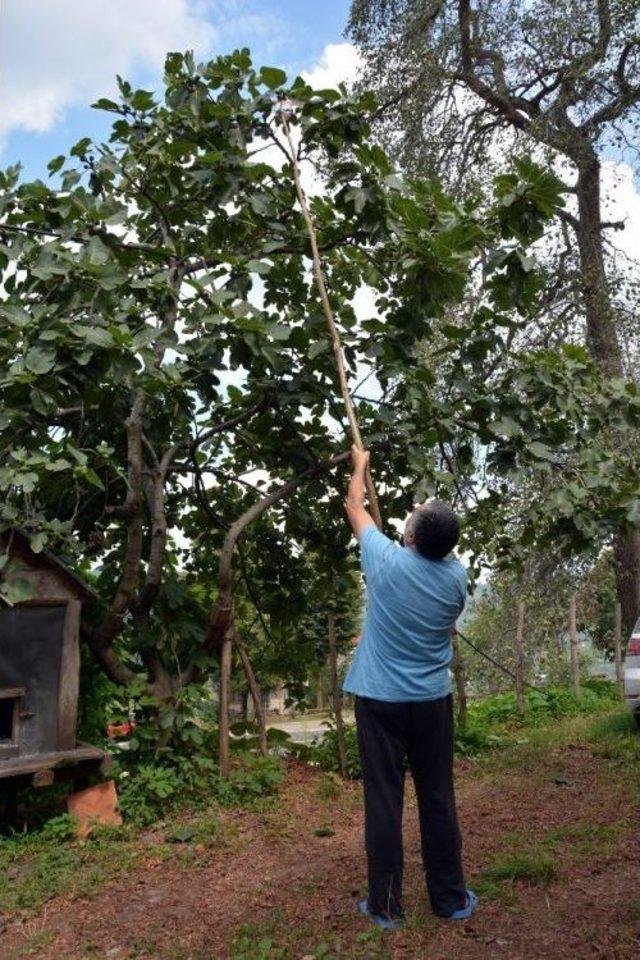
(354, 503)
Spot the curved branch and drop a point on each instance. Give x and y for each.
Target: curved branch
(222, 616)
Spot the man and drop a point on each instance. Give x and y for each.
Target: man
(403, 703)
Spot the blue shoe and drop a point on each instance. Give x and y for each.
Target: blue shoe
(385, 923)
(465, 912)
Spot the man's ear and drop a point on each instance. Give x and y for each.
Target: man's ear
(409, 538)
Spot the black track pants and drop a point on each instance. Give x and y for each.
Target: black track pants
(389, 734)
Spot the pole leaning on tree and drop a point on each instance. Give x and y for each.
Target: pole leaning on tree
(573, 639)
(284, 112)
(519, 660)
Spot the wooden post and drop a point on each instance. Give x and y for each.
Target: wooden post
(255, 696)
(223, 722)
(573, 637)
(518, 657)
(459, 679)
(617, 648)
(336, 696)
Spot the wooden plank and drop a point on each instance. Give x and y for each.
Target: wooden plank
(21, 766)
(43, 778)
(12, 693)
(69, 677)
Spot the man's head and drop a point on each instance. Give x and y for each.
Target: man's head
(433, 529)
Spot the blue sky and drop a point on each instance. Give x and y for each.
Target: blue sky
(59, 55)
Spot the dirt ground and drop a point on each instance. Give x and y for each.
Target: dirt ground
(283, 881)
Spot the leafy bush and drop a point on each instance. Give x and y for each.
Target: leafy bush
(489, 722)
(323, 751)
(150, 791)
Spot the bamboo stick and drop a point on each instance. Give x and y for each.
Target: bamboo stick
(336, 343)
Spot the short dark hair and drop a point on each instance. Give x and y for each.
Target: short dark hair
(436, 529)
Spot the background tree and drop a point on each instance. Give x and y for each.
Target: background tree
(462, 84)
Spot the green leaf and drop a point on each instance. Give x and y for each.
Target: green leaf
(97, 251)
(540, 451)
(316, 348)
(37, 541)
(259, 266)
(104, 104)
(56, 164)
(16, 590)
(80, 148)
(273, 77)
(95, 335)
(39, 361)
(505, 427)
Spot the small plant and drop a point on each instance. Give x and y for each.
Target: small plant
(59, 828)
(323, 751)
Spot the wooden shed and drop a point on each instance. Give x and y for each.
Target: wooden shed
(40, 668)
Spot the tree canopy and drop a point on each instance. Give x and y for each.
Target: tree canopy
(165, 371)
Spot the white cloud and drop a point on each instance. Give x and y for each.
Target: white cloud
(340, 62)
(58, 53)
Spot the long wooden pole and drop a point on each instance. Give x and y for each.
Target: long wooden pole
(336, 343)
(254, 689)
(519, 660)
(336, 696)
(225, 695)
(573, 637)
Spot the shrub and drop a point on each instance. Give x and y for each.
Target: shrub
(323, 751)
(489, 722)
(150, 791)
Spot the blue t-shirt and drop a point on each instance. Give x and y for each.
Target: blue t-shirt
(412, 602)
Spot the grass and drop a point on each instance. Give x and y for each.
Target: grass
(496, 881)
(539, 859)
(535, 860)
(40, 868)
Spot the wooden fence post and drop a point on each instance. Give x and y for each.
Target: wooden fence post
(459, 679)
(617, 647)
(336, 696)
(519, 660)
(225, 693)
(256, 696)
(573, 637)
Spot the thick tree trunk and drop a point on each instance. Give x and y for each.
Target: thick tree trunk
(336, 697)
(601, 334)
(604, 346)
(627, 566)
